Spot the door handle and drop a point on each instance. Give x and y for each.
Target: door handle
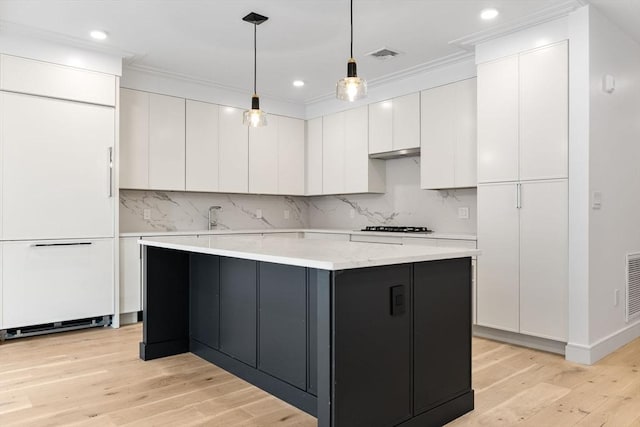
(398, 300)
(110, 165)
(518, 196)
(44, 245)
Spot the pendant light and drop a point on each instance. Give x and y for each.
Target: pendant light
(351, 87)
(255, 117)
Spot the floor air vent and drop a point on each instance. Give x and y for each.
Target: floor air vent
(633, 286)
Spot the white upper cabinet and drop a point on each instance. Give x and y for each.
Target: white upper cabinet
(394, 124)
(498, 120)
(313, 157)
(291, 156)
(233, 162)
(56, 81)
(333, 154)
(134, 139)
(544, 113)
(448, 139)
(201, 146)
(523, 116)
(166, 142)
(57, 176)
(263, 157)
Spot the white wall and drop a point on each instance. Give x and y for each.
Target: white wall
(614, 170)
(404, 203)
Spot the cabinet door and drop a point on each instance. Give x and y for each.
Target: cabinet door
(283, 323)
(372, 381)
(543, 259)
(134, 139)
(1, 290)
(130, 275)
(201, 146)
(406, 122)
(466, 146)
(56, 168)
(204, 299)
(498, 120)
(50, 281)
(238, 304)
(166, 142)
(498, 267)
(263, 157)
(291, 158)
(381, 127)
(313, 157)
(438, 138)
(234, 152)
(333, 153)
(356, 151)
(544, 113)
(443, 373)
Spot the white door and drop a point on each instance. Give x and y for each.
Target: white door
(544, 113)
(291, 156)
(166, 142)
(497, 269)
(466, 158)
(313, 157)
(333, 153)
(498, 120)
(381, 127)
(544, 259)
(234, 152)
(201, 146)
(52, 281)
(406, 121)
(356, 151)
(437, 152)
(130, 275)
(134, 139)
(57, 175)
(263, 157)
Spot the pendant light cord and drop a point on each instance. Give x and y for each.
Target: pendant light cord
(255, 57)
(351, 29)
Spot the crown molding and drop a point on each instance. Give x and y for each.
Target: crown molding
(545, 15)
(21, 30)
(451, 59)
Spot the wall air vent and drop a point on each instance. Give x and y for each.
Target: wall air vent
(633, 286)
(384, 53)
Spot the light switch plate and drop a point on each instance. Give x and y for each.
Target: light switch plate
(596, 200)
(463, 213)
(259, 213)
(146, 213)
(286, 214)
(352, 213)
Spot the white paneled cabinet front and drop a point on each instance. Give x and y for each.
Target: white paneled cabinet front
(57, 176)
(201, 167)
(51, 281)
(134, 139)
(130, 275)
(333, 153)
(291, 156)
(233, 162)
(263, 158)
(166, 142)
(448, 139)
(394, 124)
(313, 157)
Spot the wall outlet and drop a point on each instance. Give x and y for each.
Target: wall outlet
(259, 213)
(146, 213)
(616, 297)
(286, 214)
(463, 213)
(352, 213)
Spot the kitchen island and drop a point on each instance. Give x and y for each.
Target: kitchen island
(356, 334)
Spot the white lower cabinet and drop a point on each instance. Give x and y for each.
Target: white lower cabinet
(523, 269)
(52, 281)
(1, 291)
(130, 275)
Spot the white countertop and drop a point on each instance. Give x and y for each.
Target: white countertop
(321, 254)
(452, 236)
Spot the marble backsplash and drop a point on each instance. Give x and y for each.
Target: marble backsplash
(404, 203)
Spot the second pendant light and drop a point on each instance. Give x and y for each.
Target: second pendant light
(255, 117)
(351, 87)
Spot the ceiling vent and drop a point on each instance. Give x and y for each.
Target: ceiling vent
(633, 286)
(384, 53)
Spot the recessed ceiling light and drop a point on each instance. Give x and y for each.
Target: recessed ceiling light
(298, 83)
(98, 34)
(488, 14)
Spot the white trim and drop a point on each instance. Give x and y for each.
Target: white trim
(589, 355)
(515, 338)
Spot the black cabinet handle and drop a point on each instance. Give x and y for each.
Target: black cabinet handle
(41, 245)
(398, 300)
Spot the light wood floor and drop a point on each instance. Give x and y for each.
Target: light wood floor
(94, 377)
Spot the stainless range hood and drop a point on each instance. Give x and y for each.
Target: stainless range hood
(408, 152)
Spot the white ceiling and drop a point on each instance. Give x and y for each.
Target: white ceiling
(303, 39)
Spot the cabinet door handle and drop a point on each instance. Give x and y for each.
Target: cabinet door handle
(518, 196)
(398, 300)
(44, 245)
(110, 165)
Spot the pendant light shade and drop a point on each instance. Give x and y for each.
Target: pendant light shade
(255, 117)
(352, 87)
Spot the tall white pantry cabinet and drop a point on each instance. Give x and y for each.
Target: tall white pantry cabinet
(523, 192)
(58, 197)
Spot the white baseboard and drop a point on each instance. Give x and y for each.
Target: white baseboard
(588, 355)
(128, 318)
(520, 339)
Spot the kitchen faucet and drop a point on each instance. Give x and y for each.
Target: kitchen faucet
(213, 216)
